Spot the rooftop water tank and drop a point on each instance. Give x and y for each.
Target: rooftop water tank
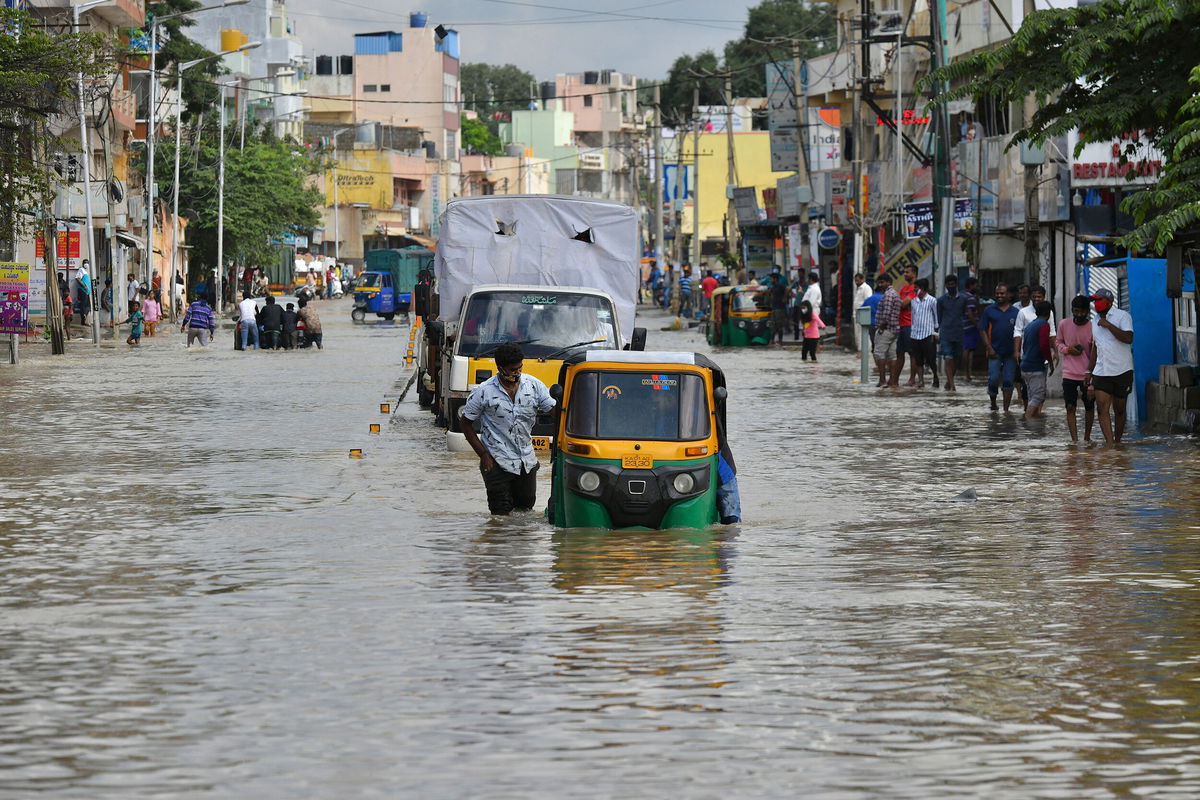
(417, 19)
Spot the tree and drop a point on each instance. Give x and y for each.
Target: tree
(38, 72)
(1106, 69)
(477, 139)
(771, 26)
(268, 193)
(491, 90)
(200, 92)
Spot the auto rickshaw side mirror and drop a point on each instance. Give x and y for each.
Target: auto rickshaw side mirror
(556, 391)
(638, 340)
(720, 393)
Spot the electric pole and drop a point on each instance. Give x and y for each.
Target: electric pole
(800, 92)
(731, 225)
(696, 180)
(658, 178)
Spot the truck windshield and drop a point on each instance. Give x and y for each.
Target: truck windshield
(750, 301)
(369, 280)
(638, 405)
(544, 321)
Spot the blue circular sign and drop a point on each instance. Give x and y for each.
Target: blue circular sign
(829, 238)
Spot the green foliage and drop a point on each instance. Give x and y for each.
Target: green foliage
(38, 73)
(269, 191)
(1108, 68)
(813, 26)
(493, 91)
(477, 139)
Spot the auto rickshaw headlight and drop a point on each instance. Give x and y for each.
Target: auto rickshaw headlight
(683, 483)
(589, 481)
(741, 323)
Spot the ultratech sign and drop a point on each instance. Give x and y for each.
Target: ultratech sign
(1100, 163)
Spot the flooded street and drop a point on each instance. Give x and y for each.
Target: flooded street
(203, 595)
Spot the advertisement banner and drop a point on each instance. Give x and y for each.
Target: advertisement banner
(918, 218)
(14, 298)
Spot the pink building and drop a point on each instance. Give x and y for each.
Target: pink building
(410, 79)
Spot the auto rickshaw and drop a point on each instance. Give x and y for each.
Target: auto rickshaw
(741, 316)
(640, 441)
(374, 294)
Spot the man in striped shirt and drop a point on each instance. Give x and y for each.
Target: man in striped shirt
(924, 330)
(887, 330)
(196, 320)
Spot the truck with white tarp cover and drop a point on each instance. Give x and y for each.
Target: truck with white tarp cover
(552, 273)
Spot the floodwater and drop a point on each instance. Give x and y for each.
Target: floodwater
(201, 594)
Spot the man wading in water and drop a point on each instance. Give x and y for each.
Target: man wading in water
(506, 406)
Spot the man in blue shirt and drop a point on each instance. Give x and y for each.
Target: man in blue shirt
(996, 328)
(506, 406)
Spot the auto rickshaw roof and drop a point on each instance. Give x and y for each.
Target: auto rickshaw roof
(643, 357)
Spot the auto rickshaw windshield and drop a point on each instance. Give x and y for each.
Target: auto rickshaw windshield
(543, 322)
(670, 406)
(749, 301)
(369, 280)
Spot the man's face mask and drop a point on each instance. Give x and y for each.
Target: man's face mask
(1081, 316)
(511, 373)
(1102, 306)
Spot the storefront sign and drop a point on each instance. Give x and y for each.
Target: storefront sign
(14, 298)
(1101, 164)
(918, 218)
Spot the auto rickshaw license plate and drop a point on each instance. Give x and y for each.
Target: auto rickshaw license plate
(541, 442)
(637, 462)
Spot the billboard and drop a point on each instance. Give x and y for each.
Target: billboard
(14, 298)
(918, 218)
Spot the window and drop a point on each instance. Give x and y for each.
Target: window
(639, 405)
(544, 322)
(369, 87)
(587, 100)
(385, 87)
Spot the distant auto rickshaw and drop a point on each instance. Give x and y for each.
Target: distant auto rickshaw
(640, 442)
(741, 316)
(374, 294)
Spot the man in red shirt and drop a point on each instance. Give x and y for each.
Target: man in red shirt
(707, 285)
(908, 290)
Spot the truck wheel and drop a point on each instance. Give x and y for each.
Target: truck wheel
(358, 315)
(389, 316)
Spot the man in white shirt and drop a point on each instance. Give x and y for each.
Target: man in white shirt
(1027, 314)
(248, 320)
(1111, 366)
(861, 292)
(924, 332)
(813, 293)
(131, 292)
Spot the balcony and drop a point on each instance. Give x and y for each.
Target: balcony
(122, 13)
(124, 109)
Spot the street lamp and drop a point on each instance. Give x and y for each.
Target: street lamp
(76, 11)
(150, 122)
(337, 236)
(179, 70)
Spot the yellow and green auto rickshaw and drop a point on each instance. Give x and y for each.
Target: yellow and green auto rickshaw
(640, 442)
(741, 316)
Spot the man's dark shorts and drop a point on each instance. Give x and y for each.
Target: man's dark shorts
(951, 350)
(1115, 385)
(506, 491)
(904, 343)
(1072, 390)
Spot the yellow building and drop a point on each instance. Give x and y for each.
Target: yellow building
(752, 162)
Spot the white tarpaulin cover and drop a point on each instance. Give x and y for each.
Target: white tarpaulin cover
(538, 248)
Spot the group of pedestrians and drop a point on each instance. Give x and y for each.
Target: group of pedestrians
(275, 327)
(1023, 345)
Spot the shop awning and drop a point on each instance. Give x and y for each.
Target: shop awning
(129, 238)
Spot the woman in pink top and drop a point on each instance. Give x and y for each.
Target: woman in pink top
(1076, 344)
(812, 330)
(152, 311)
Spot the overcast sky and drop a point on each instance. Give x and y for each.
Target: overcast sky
(545, 37)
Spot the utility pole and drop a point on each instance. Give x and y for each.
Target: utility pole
(220, 277)
(731, 225)
(696, 180)
(800, 90)
(658, 178)
(845, 305)
(1032, 268)
(943, 197)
